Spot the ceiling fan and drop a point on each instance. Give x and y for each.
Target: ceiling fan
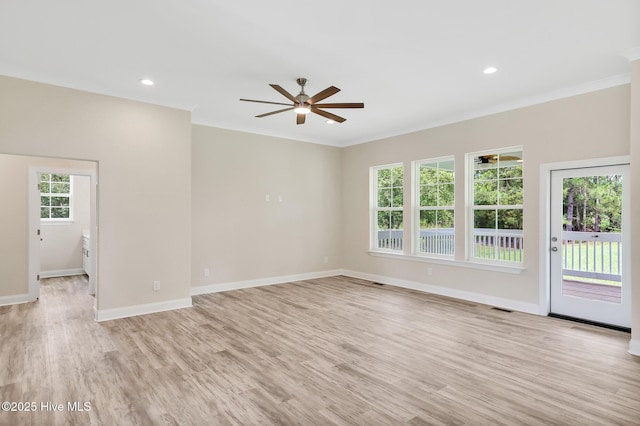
(302, 104)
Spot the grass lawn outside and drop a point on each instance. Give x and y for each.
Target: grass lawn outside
(491, 252)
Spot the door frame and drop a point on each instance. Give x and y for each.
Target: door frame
(544, 251)
(34, 226)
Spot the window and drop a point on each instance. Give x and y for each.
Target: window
(434, 188)
(55, 197)
(496, 198)
(387, 207)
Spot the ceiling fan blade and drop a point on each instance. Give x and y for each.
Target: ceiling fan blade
(328, 115)
(284, 93)
(264, 102)
(300, 118)
(341, 105)
(274, 112)
(332, 90)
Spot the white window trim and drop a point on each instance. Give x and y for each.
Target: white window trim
(415, 208)
(373, 209)
(469, 208)
(60, 221)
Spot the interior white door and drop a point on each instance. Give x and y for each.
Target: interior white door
(589, 246)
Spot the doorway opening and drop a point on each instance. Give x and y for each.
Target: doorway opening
(63, 223)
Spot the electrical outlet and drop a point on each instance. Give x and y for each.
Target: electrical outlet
(326, 260)
(267, 198)
(429, 271)
(156, 286)
(206, 272)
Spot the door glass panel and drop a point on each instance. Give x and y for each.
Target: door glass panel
(591, 237)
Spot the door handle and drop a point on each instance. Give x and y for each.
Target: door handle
(554, 248)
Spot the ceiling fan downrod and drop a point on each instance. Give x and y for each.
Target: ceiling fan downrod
(302, 97)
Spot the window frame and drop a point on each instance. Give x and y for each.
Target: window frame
(374, 209)
(53, 220)
(471, 207)
(416, 208)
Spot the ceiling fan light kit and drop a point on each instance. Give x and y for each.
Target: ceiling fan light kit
(302, 104)
(301, 109)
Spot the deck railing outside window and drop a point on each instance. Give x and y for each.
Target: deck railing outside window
(489, 244)
(596, 256)
(592, 255)
(498, 244)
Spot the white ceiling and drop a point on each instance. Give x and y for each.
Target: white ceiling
(414, 63)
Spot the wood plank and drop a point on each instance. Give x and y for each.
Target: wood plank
(603, 292)
(328, 351)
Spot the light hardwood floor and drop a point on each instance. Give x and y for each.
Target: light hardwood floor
(319, 352)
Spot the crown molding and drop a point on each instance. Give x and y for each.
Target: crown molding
(632, 54)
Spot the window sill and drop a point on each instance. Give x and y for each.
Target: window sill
(507, 269)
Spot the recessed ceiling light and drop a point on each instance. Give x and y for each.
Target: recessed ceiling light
(490, 70)
(146, 81)
(330, 122)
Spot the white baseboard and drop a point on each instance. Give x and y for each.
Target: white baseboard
(61, 273)
(514, 305)
(14, 299)
(634, 347)
(216, 288)
(147, 308)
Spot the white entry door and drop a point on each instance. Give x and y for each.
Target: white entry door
(589, 245)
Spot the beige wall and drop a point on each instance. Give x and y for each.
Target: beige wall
(144, 195)
(240, 236)
(581, 127)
